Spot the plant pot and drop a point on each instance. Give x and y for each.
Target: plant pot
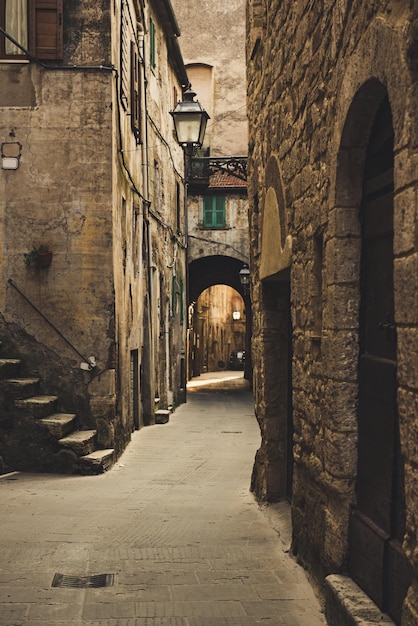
(44, 259)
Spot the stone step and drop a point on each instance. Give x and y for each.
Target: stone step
(21, 387)
(58, 424)
(38, 406)
(82, 442)
(9, 367)
(97, 462)
(162, 416)
(348, 605)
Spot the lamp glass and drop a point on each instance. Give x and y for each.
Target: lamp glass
(188, 127)
(189, 121)
(244, 276)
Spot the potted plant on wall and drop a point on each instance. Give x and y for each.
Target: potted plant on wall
(41, 256)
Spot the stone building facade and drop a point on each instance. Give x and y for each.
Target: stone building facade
(332, 105)
(90, 169)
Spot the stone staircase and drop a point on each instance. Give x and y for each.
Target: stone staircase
(31, 419)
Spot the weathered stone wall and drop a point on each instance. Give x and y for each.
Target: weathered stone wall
(108, 200)
(60, 196)
(167, 224)
(315, 78)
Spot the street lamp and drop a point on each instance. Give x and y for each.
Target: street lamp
(244, 277)
(190, 120)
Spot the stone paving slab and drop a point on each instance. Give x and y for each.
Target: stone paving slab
(173, 521)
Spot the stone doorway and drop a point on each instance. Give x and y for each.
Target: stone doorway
(273, 469)
(376, 560)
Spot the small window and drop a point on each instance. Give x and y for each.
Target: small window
(15, 23)
(214, 212)
(135, 94)
(124, 56)
(152, 55)
(35, 24)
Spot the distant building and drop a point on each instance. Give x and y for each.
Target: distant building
(333, 214)
(90, 170)
(217, 201)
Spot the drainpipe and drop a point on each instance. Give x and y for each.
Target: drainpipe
(145, 176)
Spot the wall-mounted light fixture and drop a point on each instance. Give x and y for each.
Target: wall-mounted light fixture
(244, 277)
(190, 120)
(10, 155)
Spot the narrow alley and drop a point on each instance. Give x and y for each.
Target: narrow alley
(172, 524)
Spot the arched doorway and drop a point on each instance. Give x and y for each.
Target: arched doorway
(218, 330)
(207, 272)
(376, 559)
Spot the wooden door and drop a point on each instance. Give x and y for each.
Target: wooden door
(376, 559)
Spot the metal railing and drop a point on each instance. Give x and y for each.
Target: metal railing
(88, 361)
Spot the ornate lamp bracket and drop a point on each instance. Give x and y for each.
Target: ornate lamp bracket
(235, 166)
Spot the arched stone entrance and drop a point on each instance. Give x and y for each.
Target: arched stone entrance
(365, 203)
(207, 272)
(273, 468)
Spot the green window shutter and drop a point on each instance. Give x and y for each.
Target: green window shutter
(220, 212)
(214, 212)
(173, 297)
(207, 211)
(152, 57)
(181, 302)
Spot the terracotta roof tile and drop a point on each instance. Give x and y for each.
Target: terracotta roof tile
(222, 180)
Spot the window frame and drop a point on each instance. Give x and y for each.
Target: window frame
(212, 211)
(135, 93)
(44, 31)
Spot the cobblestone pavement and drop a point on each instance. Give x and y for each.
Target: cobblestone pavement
(173, 521)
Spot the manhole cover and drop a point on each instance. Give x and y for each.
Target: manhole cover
(83, 582)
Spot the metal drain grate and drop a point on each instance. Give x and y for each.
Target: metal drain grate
(83, 582)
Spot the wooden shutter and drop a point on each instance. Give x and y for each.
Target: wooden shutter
(124, 57)
(214, 211)
(219, 202)
(207, 211)
(46, 29)
(135, 94)
(152, 55)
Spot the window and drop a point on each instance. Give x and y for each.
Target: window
(152, 56)
(135, 93)
(35, 24)
(214, 212)
(130, 72)
(124, 56)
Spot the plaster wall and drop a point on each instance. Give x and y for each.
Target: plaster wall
(214, 34)
(233, 240)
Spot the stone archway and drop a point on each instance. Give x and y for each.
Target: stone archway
(207, 272)
(362, 231)
(273, 468)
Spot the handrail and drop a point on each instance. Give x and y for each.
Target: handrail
(88, 361)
